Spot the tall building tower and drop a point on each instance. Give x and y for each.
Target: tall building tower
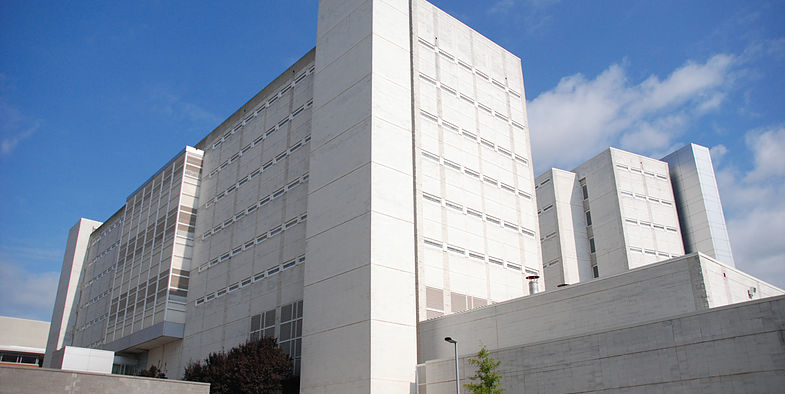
(420, 196)
(61, 328)
(698, 202)
(612, 213)
(382, 180)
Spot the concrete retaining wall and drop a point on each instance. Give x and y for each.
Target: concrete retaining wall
(737, 348)
(44, 380)
(658, 291)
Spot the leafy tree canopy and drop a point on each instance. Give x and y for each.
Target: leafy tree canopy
(486, 380)
(258, 366)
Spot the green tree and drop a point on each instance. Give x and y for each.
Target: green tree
(486, 380)
(259, 366)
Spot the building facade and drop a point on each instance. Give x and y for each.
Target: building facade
(379, 186)
(613, 213)
(698, 203)
(687, 324)
(382, 180)
(22, 342)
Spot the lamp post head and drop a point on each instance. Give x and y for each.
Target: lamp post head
(449, 339)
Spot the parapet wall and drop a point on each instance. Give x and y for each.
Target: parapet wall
(654, 292)
(736, 348)
(44, 380)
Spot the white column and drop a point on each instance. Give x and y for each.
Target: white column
(359, 301)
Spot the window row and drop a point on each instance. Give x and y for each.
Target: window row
(290, 330)
(260, 139)
(476, 174)
(250, 280)
(106, 232)
(545, 209)
(548, 236)
(151, 292)
(105, 252)
(92, 323)
(474, 137)
(476, 103)
(435, 306)
(96, 299)
(253, 207)
(655, 226)
(266, 166)
(227, 255)
(470, 68)
(650, 252)
(643, 197)
(550, 263)
(265, 105)
(544, 182)
(193, 165)
(445, 247)
(641, 171)
(11, 357)
(478, 214)
(105, 272)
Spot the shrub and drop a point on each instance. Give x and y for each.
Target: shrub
(258, 366)
(153, 372)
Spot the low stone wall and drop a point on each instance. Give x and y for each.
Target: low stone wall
(736, 348)
(44, 380)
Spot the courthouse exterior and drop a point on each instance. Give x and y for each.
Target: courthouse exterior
(382, 180)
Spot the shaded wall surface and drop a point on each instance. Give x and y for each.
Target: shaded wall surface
(737, 348)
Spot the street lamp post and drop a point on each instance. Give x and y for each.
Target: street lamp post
(457, 375)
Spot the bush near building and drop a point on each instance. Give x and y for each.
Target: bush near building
(258, 366)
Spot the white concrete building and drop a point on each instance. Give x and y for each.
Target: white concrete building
(22, 341)
(383, 180)
(613, 213)
(698, 203)
(688, 324)
(67, 297)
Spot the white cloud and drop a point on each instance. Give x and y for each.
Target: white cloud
(580, 117)
(689, 82)
(14, 128)
(179, 110)
(718, 152)
(768, 147)
(27, 294)
(754, 207)
(531, 15)
(502, 6)
(655, 135)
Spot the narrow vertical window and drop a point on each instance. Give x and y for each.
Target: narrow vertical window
(591, 245)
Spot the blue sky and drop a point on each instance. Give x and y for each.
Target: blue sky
(96, 96)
